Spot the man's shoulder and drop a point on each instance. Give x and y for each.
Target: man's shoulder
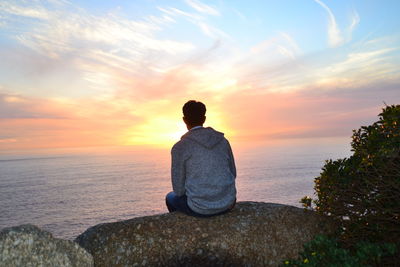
(180, 145)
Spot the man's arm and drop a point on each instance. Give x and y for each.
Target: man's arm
(178, 175)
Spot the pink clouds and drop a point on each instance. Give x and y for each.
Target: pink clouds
(309, 113)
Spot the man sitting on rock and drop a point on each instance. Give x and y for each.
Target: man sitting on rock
(203, 169)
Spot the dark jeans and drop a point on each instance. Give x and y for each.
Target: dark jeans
(179, 203)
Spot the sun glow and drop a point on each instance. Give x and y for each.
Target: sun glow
(160, 131)
(164, 131)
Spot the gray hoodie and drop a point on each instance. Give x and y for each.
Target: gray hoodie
(203, 168)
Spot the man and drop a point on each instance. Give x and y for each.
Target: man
(203, 169)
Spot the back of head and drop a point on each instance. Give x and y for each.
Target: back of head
(194, 112)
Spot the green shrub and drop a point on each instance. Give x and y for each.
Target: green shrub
(327, 252)
(362, 194)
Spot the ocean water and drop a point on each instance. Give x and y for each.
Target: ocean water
(66, 193)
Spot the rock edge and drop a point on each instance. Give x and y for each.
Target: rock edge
(252, 234)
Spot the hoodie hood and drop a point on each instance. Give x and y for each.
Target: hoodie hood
(206, 137)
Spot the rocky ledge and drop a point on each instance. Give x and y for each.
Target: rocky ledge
(252, 234)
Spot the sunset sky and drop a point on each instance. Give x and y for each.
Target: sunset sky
(116, 73)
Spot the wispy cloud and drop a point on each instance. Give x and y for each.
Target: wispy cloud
(239, 14)
(355, 21)
(97, 45)
(197, 19)
(334, 33)
(211, 31)
(281, 44)
(178, 12)
(346, 66)
(335, 36)
(202, 8)
(36, 12)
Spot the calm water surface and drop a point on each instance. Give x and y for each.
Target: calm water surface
(65, 194)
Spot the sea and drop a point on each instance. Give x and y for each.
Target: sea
(67, 192)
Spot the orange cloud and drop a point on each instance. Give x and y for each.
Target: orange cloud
(28, 123)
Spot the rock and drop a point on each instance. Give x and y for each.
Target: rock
(252, 234)
(27, 245)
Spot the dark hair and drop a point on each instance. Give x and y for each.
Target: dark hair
(194, 112)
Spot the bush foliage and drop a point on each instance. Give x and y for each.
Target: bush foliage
(326, 251)
(362, 194)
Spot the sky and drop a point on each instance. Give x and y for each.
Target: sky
(116, 73)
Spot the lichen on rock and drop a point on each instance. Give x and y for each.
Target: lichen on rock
(252, 234)
(27, 245)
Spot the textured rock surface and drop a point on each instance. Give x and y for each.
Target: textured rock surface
(27, 245)
(253, 234)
